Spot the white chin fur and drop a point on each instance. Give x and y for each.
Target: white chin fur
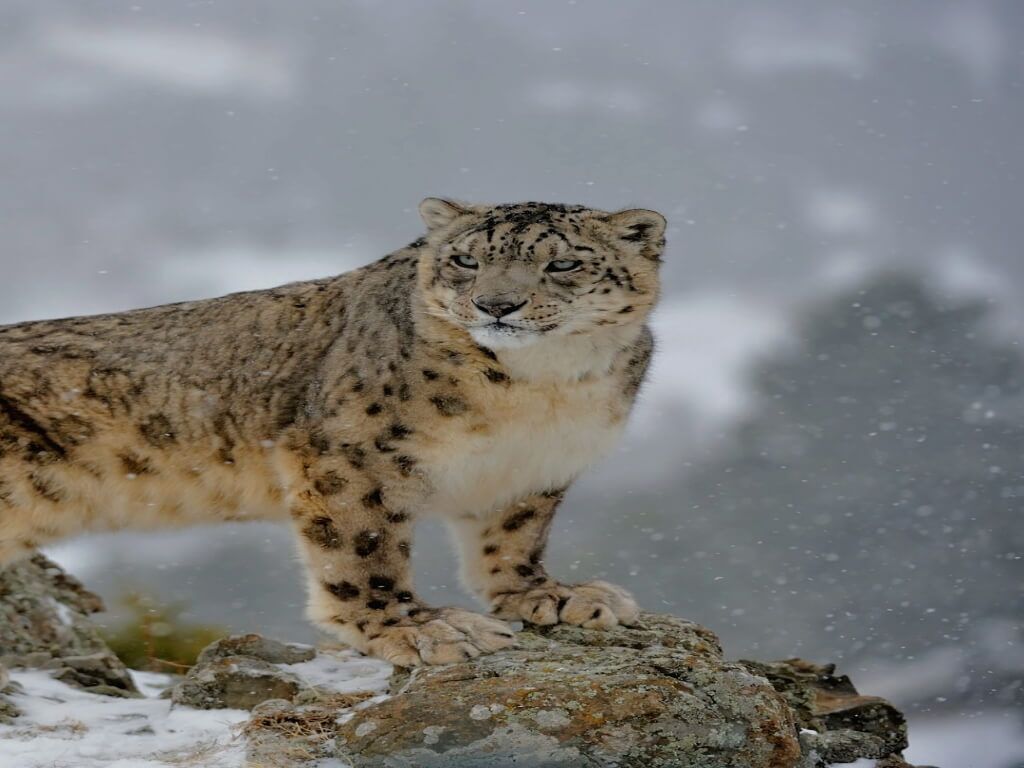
(556, 356)
(501, 338)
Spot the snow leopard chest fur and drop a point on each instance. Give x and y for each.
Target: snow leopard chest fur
(532, 437)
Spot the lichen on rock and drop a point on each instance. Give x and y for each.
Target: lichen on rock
(839, 724)
(259, 647)
(659, 694)
(236, 682)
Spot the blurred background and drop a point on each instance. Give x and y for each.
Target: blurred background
(828, 460)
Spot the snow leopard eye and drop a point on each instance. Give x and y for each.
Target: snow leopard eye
(562, 265)
(464, 261)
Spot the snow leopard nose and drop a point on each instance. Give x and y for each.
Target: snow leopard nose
(497, 306)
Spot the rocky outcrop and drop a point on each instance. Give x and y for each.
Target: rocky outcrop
(44, 624)
(656, 695)
(838, 724)
(659, 694)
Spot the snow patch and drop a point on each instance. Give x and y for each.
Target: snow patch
(64, 613)
(343, 671)
(65, 726)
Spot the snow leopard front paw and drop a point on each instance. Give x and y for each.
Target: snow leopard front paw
(440, 636)
(592, 605)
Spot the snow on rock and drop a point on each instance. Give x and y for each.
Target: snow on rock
(243, 671)
(343, 671)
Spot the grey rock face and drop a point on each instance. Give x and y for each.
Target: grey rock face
(44, 623)
(101, 672)
(839, 724)
(258, 647)
(657, 695)
(235, 682)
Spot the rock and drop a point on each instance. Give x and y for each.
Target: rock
(236, 682)
(659, 694)
(44, 623)
(656, 695)
(8, 711)
(97, 673)
(239, 672)
(258, 647)
(840, 724)
(100, 672)
(44, 610)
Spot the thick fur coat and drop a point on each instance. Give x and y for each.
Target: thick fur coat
(471, 375)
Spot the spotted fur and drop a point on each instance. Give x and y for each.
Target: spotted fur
(471, 375)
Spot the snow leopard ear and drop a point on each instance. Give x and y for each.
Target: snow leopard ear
(437, 212)
(639, 230)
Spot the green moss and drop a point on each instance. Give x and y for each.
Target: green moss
(155, 638)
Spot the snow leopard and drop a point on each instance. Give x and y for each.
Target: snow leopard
(470, 376)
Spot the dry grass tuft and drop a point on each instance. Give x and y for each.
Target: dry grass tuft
(296, 736)
(312, 721)
(307, 723)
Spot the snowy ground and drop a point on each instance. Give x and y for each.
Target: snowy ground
(64, 727)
